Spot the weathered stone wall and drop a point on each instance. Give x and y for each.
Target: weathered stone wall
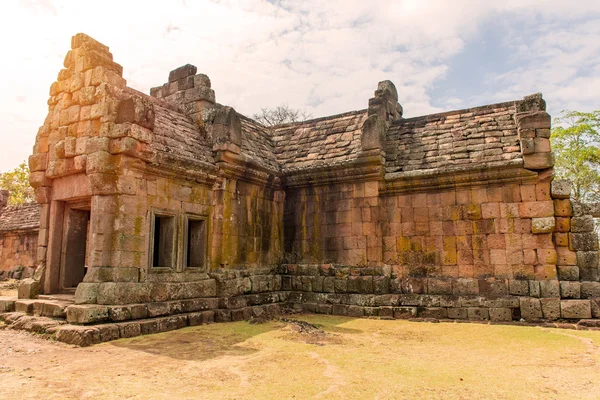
(18, 249)
(336, 223)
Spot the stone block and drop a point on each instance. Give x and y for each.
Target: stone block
(568, 272)
(590, 290)
(439, 286)
(465, 287)
(29, 289)
(86, 293)
(560, 189)
(517, 287)
(500, 314)
(538, 161)
(182, 72)
(86, 314)
(550, 309)
(566, 256)
(129, 329)
(584, 223)
(575, 309)
(78, 335)
(478, 313)
(570, 290)
(587, 241)
(542, 225)
(531, 308)
(587, 259)
(589, 274)
(549, 288)
(432, 312)
(108, 332)
(457, 313)
(404, 312)
(7, 305)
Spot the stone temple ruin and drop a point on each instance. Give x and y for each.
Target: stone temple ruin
(166, 210)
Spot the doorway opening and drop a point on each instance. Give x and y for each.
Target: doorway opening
(75, 245)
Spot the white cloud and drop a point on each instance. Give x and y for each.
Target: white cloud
(326, 57)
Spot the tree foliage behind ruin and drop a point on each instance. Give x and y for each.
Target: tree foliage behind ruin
(575, 141)
(16, 181)
(282, 114)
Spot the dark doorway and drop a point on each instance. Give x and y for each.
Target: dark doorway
(74, 247)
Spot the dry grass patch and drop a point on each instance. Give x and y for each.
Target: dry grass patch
(322, 357)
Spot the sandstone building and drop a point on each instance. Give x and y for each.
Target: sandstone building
(172, 204)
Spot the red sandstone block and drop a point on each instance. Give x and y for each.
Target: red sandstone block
(545, 272)
(419, 199)
(416, 243)
(359, 190)
(511, 193)
(463, 197)
(498, 256)
(504, 225)
(522, 225)
(479, 241)
(450, 271)
(433, 199)
(490, 210)
(371, 189)
(408, 228)
(562, 208)
(436, 213)
(566, 256)
(509, 210)
(561, 239)
(523, 271)
(542, 191)
(421, 228)
(369, 229)
(514, 257)
(463, 227)
(357, 228)
(465, 257)
(484, 226)
(481, 257)
(448, 228)
(404, 201)
(435, 228)
(448, 198)
(529, 257)
(464, 242)
(483, 271)
(407, 214)
(496, 241)
(536, 209)
(563, 224)
(472, 211)
(421, 214)
(494, 194)
(479, 195)
(528, 193)
(451, 213)
(465, 270)
(547, 256)
(503, 272)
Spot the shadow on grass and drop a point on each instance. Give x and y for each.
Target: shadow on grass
(211, 341)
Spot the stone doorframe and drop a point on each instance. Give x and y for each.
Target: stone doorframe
(68, 219)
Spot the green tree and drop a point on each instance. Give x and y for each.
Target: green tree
(16, 182)
(576, 140)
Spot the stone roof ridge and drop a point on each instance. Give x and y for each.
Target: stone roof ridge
(319, 119)
(470, 109)
(22, 217)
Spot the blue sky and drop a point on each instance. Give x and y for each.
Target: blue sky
(325, 57)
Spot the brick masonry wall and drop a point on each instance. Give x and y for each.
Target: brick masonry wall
(18, 249)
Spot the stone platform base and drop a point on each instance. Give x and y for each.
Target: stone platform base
(89, 324)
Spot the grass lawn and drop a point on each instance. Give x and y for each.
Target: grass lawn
(344, 359)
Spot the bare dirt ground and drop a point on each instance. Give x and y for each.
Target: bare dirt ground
(8, 288)
(339, 359)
